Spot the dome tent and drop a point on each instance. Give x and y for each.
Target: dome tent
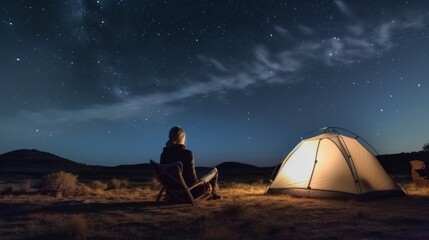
(333, 164)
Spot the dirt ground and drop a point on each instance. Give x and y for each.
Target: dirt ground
(243, 213)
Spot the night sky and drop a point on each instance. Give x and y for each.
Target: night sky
(102, 82)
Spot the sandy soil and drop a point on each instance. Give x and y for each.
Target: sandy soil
(243, 213)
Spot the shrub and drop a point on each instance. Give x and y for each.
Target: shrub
(8, 189)
(114, 183)
(118, 183)
(426, 147)
(98, 185)
(17, 188)
(26, 186)
(155, 184)
(84, 190)
(60, 184)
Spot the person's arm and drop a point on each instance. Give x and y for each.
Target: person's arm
(189, 170)
(194, 172)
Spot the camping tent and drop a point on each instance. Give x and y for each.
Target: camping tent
(332, 165)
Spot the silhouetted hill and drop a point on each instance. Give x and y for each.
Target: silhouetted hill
(235, 166)
(35, 163)
(25, 159)
(241, 172)
(25, 163)
(399, 163)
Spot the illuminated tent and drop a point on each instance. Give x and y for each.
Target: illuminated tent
(332, 165)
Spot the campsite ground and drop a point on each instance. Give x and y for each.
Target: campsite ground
(244, 212)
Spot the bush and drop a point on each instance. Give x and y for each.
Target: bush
(60, 184)
(84, 190)
(17, 188)
(155, 184)
(118, 183)
(98, 185)
(26, 186)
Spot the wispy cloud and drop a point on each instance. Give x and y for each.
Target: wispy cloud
(305, 30)
(344, 9)
(283, 32)
(266, 67)
(213, 62)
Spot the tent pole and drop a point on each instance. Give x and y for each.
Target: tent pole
(314, 165)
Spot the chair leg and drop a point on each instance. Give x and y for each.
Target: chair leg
(159, 194)
(191, 197)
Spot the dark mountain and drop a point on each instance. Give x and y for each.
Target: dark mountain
(26, 160)
(26, 163)
(226, 166)
(399, 163)
(241, 172)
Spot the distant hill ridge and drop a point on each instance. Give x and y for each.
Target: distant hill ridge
(32, 162)
(32, 158)
(235, 165)
(399, 163)
(29, 157)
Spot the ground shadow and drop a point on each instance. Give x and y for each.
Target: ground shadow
(75, 207)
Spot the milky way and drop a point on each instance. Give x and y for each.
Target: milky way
(102, 82)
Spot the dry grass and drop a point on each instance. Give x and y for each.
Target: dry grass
(243, 213)
(73, 227)
(98, 185)
(154, 184)
(24, 187)
(234, 208)
(118, 183)
(415, 190)
(66, 185)
(60, 184)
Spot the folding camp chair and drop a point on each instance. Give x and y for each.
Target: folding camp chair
(174, 187)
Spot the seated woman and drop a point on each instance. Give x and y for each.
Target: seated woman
(175, 150)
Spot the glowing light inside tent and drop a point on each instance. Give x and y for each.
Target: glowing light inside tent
(298, 168)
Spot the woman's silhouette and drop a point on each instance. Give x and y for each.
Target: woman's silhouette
(175, 150)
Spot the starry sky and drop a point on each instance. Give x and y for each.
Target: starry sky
(102, 81)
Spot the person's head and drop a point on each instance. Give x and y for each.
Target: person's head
(176, 136)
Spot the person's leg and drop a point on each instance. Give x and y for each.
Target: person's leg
(211, 177)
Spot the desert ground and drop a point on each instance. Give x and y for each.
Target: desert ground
(128, 211)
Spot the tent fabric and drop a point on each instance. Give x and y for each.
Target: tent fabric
(332, 165)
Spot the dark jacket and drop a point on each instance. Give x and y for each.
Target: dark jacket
(178, 152)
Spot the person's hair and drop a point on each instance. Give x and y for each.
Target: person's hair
(176, 136)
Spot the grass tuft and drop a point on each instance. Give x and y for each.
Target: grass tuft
(98, 185)
(118, 183)
(154, 184)
(74, 227)
(217, 229)
(416, 190)
(234, 209)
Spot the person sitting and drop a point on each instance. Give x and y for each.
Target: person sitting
(175, 150)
